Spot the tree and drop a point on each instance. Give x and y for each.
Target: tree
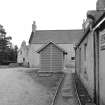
(13, 54)
(7, 52)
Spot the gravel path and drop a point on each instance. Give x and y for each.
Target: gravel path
(17, 88)
(66, 95)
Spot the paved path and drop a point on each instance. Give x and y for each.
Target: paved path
(18, 88)
(66, 95)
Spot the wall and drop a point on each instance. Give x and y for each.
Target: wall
(78, 61)
(57, 59)
(102, 67)
(45, 57)
(20, 57)
(23, 55)
(86, 63)
(33, 56)
(90, 65)
(88, 77)
(70, 50)
(51, 59)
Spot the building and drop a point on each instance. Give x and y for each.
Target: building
(51, 58)
(22, 57)
(63, 38)
(90, 56)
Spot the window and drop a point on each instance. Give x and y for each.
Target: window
(23, 59)
(85, 46)
(72, 58)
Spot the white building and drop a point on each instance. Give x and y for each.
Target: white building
(63, 38)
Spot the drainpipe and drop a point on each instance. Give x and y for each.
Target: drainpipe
(96, 67)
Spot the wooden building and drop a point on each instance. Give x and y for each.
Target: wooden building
(51, 58)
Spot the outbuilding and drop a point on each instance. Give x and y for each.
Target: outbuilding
(51, 57)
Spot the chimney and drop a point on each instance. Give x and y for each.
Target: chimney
(34, 26)
(100, 5)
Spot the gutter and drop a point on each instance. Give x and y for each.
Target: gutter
(98, 25)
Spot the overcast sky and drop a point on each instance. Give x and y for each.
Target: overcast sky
(17, 16)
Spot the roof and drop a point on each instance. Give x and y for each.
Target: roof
(98, 16)
(58, 36)
(44, 46)
(95, 14)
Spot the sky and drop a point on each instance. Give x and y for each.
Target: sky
(17, 16)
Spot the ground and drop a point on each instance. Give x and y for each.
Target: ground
(22, 86)
(67, 94)
(18, 87)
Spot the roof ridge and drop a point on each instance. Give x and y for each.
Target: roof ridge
(62, 30)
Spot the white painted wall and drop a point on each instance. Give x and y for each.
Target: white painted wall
(33, 56)
(90, 65)
(87, 67)
(19, 57)
(23, 53)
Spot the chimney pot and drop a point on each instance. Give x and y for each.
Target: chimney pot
(34, 26)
